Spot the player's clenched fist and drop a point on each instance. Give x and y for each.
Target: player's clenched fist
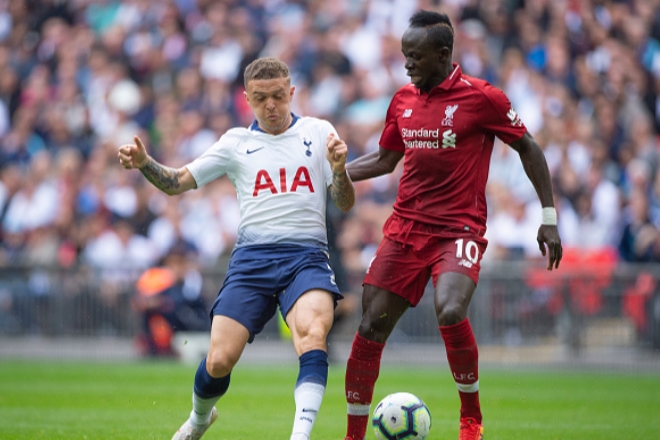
(133, 155)
(336, 153)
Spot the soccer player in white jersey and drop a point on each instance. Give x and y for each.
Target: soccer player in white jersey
(281, 167)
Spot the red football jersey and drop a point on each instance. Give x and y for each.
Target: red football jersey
(447, 139)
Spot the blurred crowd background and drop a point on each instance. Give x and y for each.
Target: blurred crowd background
(79, 78)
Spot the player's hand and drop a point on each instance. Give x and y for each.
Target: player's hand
(133, 155)
(548, 236)
(336, 152)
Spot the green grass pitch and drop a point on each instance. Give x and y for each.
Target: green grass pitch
(149, 400)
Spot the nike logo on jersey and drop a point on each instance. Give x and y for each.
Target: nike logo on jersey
(407, 113)
(248, 151)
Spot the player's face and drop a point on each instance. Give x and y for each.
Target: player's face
(425, 65)
(270, 100)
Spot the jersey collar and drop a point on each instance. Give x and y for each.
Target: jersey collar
(255, 124)
(448, 82)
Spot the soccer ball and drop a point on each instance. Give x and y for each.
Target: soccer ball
(401, 416)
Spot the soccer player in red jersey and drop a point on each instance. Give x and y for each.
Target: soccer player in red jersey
(443, 125)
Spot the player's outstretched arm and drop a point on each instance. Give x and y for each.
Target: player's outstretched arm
(169, 180)
(342, 191)
(536, 168)
(373, 164)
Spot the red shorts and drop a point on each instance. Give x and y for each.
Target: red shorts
(405, 270)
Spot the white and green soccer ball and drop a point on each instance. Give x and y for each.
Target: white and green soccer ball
(401, 416)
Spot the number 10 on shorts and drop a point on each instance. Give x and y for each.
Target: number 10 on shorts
(467, 252)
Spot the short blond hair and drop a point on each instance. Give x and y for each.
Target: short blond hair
(265, 68)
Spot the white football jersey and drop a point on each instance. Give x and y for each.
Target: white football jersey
(281, 180)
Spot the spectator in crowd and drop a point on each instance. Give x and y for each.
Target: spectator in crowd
(169, 299)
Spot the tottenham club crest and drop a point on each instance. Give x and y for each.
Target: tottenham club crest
(449, 115)
(307, 145)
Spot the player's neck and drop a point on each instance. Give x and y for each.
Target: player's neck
(285, 126)
(439, 79)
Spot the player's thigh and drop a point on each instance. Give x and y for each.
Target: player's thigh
(381, 310)
(453, 293)
(228, 340)
(310, 320)
(455, 270)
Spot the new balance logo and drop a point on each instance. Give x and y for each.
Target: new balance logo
(248, 151)
(407, 113)
(448, 139)
(465, 263)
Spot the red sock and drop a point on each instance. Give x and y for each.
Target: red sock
(463, 357)
(361, 373)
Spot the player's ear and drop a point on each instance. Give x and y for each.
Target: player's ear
(291, 92)
(444, 55)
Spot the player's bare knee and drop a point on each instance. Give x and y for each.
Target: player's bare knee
(218, 364)
(310, 334)
(373, 333)
(451, 314)
(317, 334)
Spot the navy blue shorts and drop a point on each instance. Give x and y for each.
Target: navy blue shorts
(260, 278)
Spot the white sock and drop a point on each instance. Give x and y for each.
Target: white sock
(308, 398)
(201, 412)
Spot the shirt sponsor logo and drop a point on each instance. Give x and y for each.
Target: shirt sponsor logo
(407, 113)
(415, 134)
(448, 139)
(264, 182)
(449, 115)
(429, 138)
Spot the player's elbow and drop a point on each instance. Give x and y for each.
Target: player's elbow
(182, 183)
(172, 192)
(344, 201)
(386, 167)
(347, 207)
(390, 168)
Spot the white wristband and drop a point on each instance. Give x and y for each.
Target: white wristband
(549, 217)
